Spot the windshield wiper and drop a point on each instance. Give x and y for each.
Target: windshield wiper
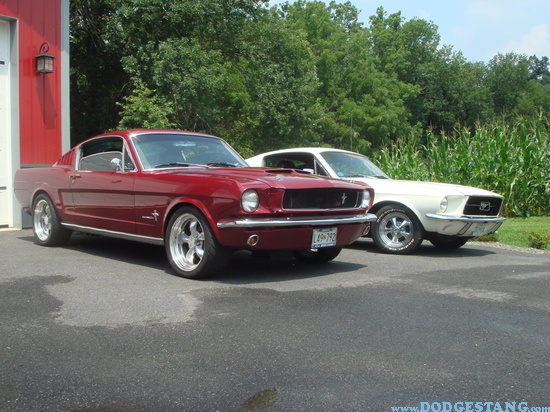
(173, 164)
(221, 164)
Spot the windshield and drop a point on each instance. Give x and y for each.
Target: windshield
(159, 150)
(352, 165)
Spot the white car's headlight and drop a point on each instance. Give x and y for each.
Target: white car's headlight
(250, 200)
(366, 199)
(443, 205)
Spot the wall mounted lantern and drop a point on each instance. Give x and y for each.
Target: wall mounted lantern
(44, 61)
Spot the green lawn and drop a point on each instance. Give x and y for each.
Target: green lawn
(515, 231)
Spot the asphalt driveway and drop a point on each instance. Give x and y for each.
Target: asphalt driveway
(103, 325)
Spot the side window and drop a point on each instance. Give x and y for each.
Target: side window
(320, 170)
(100, 162)
(98, 155)
(279, 161)
(291, 161)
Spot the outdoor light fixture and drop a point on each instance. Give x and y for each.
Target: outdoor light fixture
(44, 61)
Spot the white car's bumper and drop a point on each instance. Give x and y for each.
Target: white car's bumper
(467, 226)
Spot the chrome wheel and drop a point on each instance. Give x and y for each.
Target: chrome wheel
(46, 226)
(187, 242)
(397, 230)
(192, 249)
(42, 220)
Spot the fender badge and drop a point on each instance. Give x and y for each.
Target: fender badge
(154, 216)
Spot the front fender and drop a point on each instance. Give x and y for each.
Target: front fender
(395, 202)
(210, 208)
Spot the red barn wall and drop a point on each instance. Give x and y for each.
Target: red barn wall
(39, 94)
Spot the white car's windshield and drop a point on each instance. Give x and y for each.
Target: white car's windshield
(157, 151)
(352, 165)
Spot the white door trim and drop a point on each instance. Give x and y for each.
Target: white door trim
(5, 125)
(9, 122)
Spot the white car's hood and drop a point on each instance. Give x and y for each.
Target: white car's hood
(412, 187)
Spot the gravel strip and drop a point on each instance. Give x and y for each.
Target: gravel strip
(510, 247)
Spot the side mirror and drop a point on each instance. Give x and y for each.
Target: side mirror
(116, 164)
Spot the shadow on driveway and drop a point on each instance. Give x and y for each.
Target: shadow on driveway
(244, 267)
(427, 250)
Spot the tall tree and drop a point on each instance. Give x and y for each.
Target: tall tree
(453, 92)
(538, 69)
(97, 76)
(403, 47)
(362, 105)
(224, 67)
(507, 79)
(408, 49)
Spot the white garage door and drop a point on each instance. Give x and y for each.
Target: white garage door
(5, 127)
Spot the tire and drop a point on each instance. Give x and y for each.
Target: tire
(448, 242)
(45, 223)
(397, 230)
(321, 255)
(191, 247)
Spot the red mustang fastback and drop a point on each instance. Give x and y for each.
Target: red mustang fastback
(195, 195)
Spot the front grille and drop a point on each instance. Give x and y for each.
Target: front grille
(482, 206)
(321, 199)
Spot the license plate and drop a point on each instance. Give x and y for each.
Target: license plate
(478, 230)
(325, 237)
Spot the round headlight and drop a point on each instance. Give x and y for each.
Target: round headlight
(366, 199)
(443, 205)
(250, 200)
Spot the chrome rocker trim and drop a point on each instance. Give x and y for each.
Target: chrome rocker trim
(304, 221)
(112, 233)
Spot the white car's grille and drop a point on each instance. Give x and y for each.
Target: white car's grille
(483, 206)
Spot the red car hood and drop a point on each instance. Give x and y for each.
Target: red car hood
(275, 178)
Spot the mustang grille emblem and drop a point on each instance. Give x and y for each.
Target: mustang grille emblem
(485, 206)
(344, 197)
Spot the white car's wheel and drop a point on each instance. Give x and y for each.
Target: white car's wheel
(397, 230)
(45, 223)
(192, 249)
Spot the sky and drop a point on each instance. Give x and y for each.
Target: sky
(478, 28)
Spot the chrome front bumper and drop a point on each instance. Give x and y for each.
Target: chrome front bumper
(469, 219)
(467, 226)
(296, 221)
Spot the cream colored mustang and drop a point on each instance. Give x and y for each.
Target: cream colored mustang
(408, 211)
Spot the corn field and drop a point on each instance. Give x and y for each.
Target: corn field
(511, 160)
